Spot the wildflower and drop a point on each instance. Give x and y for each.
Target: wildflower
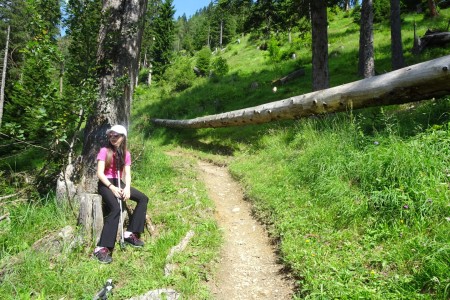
(448, 219)
(376, 143)
(406, 206)
(307, 241)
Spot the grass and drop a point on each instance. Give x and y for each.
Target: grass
(357, 216)
(358, 202)
(178, 204)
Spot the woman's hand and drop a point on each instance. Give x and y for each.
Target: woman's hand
(116, 191)
(126, 193)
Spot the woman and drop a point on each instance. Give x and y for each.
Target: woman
(113, 160)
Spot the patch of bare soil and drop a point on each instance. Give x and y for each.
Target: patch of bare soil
(248, 266)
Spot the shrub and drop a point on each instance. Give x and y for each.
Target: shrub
(204, 60)
(143, 75)
(220, 66)
(180, 75)
(274, 50)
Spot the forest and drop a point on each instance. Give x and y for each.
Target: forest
(356, 200)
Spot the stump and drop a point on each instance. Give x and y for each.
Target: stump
(90, 216)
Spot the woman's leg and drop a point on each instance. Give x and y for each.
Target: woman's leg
(137, 219)
(111, 220)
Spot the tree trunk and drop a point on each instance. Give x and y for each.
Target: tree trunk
(319, 45)
(396, 36)
(347, 5)
(5, 64)
(366, 64)
(221, 33)
(432, 7)
(61, 78)
(120, 38)
(418, 82)
(90, 217)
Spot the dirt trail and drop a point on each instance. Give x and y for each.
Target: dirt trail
(247, 268)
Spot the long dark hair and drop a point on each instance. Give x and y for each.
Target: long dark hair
(119, 154)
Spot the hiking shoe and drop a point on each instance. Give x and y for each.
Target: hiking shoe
(134, 241)
(103, 256)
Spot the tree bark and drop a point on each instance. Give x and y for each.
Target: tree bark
(430, 39)
(90, 217)
(120, 38)
(5, 64)
(319, 45)
(396, 36)
(413, 83)
(432, 7)
(366, 64)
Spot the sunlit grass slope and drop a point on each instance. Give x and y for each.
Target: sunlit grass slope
(359, 201)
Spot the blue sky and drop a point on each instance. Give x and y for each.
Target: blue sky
(188, 7)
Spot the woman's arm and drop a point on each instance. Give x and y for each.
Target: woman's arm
(101, 176)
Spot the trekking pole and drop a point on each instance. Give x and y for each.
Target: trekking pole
(122, 240)
(103, 293)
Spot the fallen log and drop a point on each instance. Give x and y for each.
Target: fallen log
(414, 83)
(430, 39)
(289, 77)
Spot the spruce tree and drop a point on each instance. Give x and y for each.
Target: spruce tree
(163, 35)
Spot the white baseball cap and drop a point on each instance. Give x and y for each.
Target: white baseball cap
(119, 129)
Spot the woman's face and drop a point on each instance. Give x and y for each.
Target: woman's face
(115, 138)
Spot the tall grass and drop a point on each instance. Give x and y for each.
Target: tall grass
(357, 216)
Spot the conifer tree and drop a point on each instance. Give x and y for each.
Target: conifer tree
(163, 35)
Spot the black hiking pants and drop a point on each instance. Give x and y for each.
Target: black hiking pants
(111, 213)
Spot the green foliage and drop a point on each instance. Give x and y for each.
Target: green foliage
(203, 62)
(35, 103)
(220, 66)
(180, 74)
(274, 51)
(37, 113)
(83, 24)
(143, 75)
(13, 14)
(163, 34)
(381, 11)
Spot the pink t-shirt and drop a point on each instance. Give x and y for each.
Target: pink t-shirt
(111, 172)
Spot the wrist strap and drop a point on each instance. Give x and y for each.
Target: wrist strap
(109, 185)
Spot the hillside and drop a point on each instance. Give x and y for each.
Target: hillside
(356, 203)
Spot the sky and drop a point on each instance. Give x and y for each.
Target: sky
(188, 7)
